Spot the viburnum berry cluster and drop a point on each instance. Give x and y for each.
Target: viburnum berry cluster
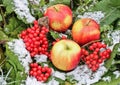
(40, 73)
(35, 39)
(95, 54)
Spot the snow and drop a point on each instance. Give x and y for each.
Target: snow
(108, 78)
(115, 35)
(35, 1)
(85, 76)
(53, 82)
(33, 81)
(59, 75)
(117, 74)
(18, 47)
(2, 79)
(41, 58)
(2, 82)
(97, 15)
(21, 9)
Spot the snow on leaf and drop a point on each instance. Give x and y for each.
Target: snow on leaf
(22, 10)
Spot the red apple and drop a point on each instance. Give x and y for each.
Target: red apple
(85, 30)
(65, 54)
(60, 17)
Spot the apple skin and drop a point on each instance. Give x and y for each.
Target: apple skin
(65, 54)
(85, 30)
(60, 17)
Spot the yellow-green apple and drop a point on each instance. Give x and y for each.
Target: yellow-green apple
(60, 17)
(65, 54)
(85, 30)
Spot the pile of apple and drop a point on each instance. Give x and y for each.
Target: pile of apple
(65, 53)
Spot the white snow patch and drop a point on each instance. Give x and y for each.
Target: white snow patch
(21, 9)
(97, 15)
(33, 81)
(18, 47)
(117, 74)
(85, 76)
(37, 2)
(115, 35)
(41, 58)
(59, 75)
(108, 78)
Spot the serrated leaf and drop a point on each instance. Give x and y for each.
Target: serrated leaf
(105, 28)
(11, 25)
(3, 36)
(14, 27)
(108, 63)
(9, 5)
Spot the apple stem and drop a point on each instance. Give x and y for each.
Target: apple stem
(56, 9)
(88, 23)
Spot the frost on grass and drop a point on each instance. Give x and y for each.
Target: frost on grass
(115, 35)
(97, 15)
(85, 76)
(22, 10)
(18, 47)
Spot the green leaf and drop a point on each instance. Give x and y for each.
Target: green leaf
(12, 74)
(115, 3)
(3, 36)
(54, 34)
(61, 82)
(67, 2)
(106, 28)
(14, 27)
(110, 16)
(9, 5)
(108, 63)
(18, 72)
(12, 57)
(113, 81)
(0, 17)
(111, 12)
(20, 77)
